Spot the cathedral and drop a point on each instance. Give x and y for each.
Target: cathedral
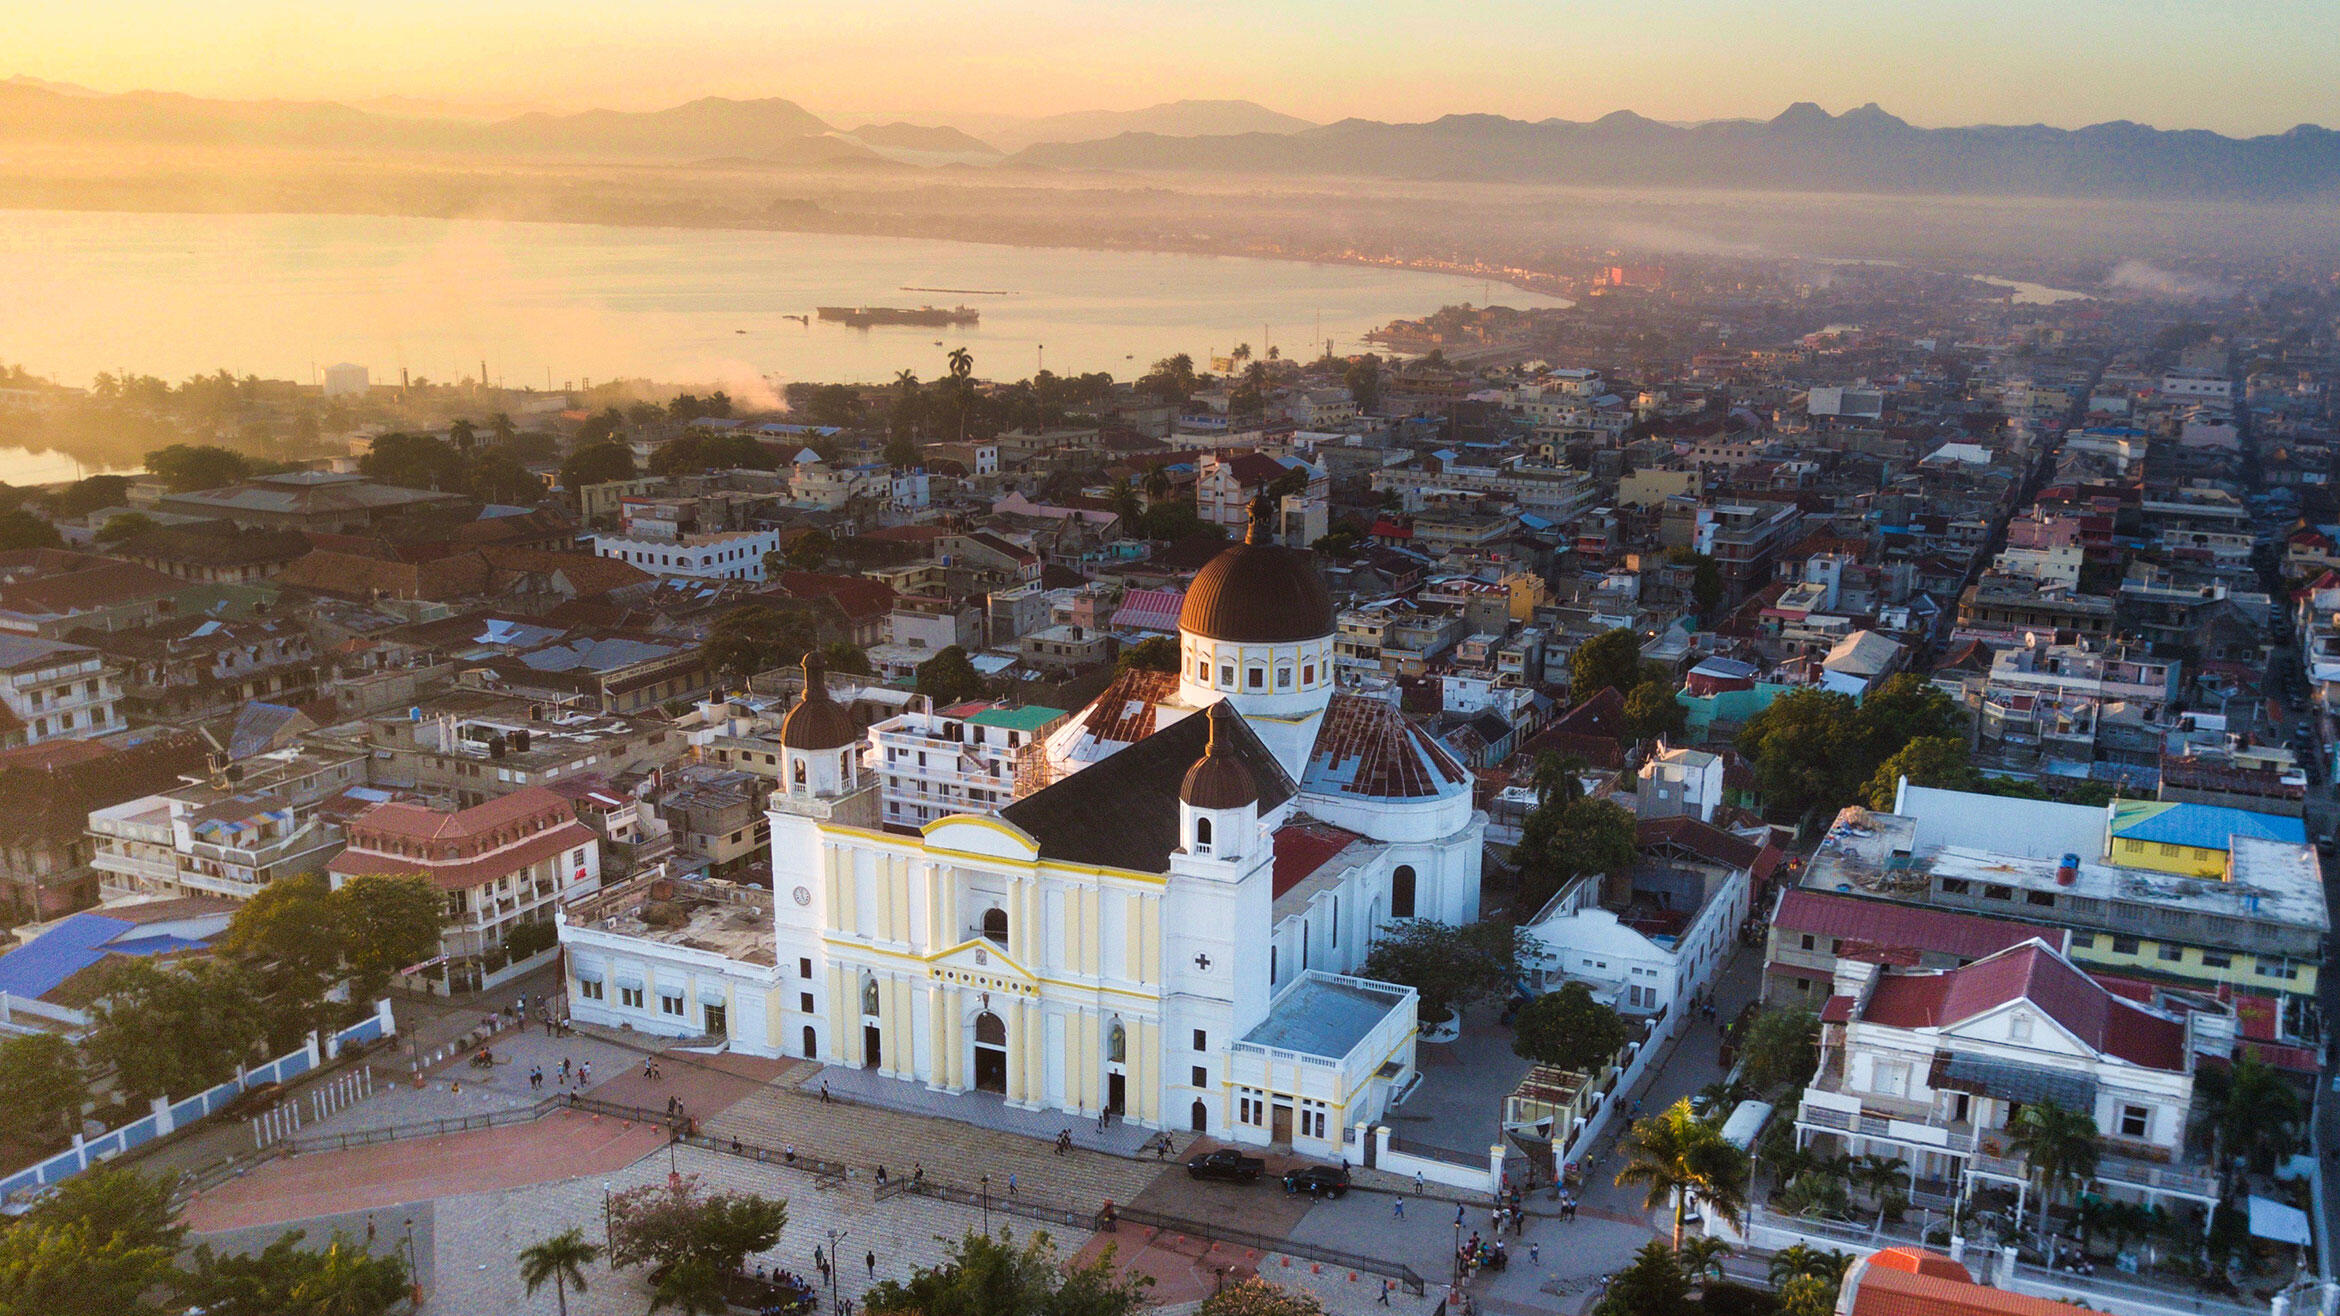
(1166, 924)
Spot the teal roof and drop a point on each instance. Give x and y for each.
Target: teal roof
(1031, 717)
(2205, 826)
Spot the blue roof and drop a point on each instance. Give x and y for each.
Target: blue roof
(2208, 826)
(42, 965)
(1325, 1017)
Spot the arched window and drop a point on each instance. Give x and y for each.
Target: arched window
(995, 924)
(1256, 678)
(1227, 675)
(798, 772)
(1202, 671)
(1202, 833)
(869, 996)
(1116, 1043)
(1284, 677)
(1401, 892)
(990, 1030)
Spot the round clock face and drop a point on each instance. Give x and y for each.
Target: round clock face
(802, 895)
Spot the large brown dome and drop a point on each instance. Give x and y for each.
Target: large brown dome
(1258, 593)
(817, 722)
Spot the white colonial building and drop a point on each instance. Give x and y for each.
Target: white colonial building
(1166, 921)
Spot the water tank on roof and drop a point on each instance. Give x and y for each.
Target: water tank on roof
(2068, 870)
(520, 742)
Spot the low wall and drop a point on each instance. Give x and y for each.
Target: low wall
(1484, 1176)
(168, 1116)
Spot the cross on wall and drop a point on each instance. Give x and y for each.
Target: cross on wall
(1203, 962)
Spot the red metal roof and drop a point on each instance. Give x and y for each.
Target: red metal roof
(1908, 1282)
(2031, 972)
(1302, 848)
(1884, 923)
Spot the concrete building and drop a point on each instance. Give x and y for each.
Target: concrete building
(50, 690)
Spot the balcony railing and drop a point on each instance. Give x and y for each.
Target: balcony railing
(1958, 1139)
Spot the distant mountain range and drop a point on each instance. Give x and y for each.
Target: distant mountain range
(1804, 149)
(769, 130)
(1170, 119)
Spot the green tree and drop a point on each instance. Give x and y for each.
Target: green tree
(1927, 761)
(1782, 1046)
(810, 551)
(386, 922)
(674, 1223)
(1701, 1259)
(949, 677)
(1677, 1156)
(1652, 712)
(1171, 522)
(340, 1279)
(414, 461)
(187, 467)
(502, 430)
(175, 1029)
(287, 937)
(41, 1085)
(496, 476)
(1610, 660)
(1450, 966)
(1566, 837)
(756, 638)
(1257, 1297)
(102, 1241)
(1809, 753)
(1903, 708)
(1706, 587)
(1155, 653)
(1803, 1261)
(2255, 1114)
(2060, 1145)
(1807, 1295)
(1364, 380)
(21, 529)
(691, 1287)
(562, 1260)
(1651, 1286)
(1122, 497)
(597, 463)
(1570, 1029)
(95, 494)
(845, 658)
(127, 525)
(986, 1276)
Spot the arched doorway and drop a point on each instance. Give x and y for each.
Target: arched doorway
(990, 1053)
(1201, 1116)
(1401, 892)
(812, 1043)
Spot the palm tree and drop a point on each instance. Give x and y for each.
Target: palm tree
(1241, 354)
(1879, 1175)
(502, 427)
(2060, 1145)
(1124, 500)
(1676, 1155)
(2257, 1116)
(1157, 484)
(561, 1259)
(962, 384)
(1701, 1258)
(1810, 1262)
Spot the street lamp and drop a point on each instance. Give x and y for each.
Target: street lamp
(836, 1260)
(987, 1206)
(605, 1241)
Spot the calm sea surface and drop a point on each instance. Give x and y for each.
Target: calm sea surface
(282, 295)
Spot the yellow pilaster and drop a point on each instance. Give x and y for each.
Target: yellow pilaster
(883, 927)
(938, 1038)
(1145, 1044)
(844, 1008)
(1150, 963)
(1013, 1017)
(1035, 1053)
(1092, 1054)
(902, 904)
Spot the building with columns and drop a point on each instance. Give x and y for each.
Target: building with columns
(1166, 921)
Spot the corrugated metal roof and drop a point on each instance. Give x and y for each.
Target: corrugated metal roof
(2202, 826)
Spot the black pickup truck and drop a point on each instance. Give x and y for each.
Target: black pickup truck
(1233, 1166)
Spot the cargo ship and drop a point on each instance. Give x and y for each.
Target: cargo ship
(862, 317)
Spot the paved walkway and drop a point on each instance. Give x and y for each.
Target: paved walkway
(988, 1110)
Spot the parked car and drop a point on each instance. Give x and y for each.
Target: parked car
(1228, 1164)
(1318, 1180)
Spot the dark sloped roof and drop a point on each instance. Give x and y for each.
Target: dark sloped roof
(1123, 812)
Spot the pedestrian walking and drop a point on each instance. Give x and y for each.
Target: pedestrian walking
(1385, 1293)
(1011, 1185)
(584, 1072)
(1397, 1207)
(824, 1092)
(871, 1259)
(1418, 1188)
(820, 1262)
(564, 1069)
(1458, 1213)
(1535, 1254)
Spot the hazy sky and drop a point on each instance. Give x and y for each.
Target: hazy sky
(2249, 66)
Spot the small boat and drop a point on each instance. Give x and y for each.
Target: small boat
(739, 331)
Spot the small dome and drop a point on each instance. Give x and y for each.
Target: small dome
(817, 722)
(1219, 780)
(1258, 592)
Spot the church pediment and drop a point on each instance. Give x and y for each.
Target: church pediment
(981, 964)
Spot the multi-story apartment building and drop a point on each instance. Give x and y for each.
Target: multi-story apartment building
(722, 555)
(2239, 905)
(51, 690)
(1556, 493)
(251, 822)
(955, 760)
(1744, 539)
(474, 745)
(501, 866)
(2000, 610)
(205, 667)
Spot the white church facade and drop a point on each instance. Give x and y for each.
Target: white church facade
(1167, 923)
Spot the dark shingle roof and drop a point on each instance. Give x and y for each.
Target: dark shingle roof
(1123, 812)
